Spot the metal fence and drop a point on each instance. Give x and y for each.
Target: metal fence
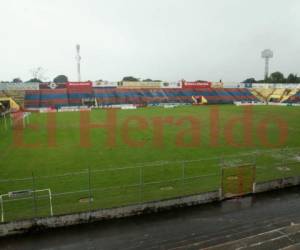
(92, 188)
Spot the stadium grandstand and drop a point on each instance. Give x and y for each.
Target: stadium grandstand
(115, 96)
(277, 95)
(140, 93)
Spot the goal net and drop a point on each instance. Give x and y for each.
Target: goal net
(25, 204)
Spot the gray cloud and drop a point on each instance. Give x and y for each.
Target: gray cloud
(161, 39)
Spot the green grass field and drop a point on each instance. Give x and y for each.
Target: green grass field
(121, 174)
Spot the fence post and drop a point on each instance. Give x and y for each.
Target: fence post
(34, 195)
(255, 158)
(5, 123)
(90, 189)
(2, 209)
(141, 184)
(183, 175)
(282, 159)
(254, 179)
(222, 178)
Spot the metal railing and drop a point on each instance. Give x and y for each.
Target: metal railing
(92, 188)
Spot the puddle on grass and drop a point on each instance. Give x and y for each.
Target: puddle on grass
(284, 169)
(232, 163)
(297, 158)
(166, 188)
(86, 200)
(232, 178)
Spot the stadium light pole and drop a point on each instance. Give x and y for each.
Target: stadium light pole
(78, 59)
(267, 54)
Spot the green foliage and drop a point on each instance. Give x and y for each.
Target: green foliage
(17, 80)
(130, 79)
(34, 80)
(277, 77)
(60, 79)
(250, 80)
(292, 78)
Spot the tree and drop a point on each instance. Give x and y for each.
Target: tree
(17, 80)
(38, 73)
(250, 80)
(130, 79)
(201, 81)
(276, 77)
(60, 79)
(292, 78)
(34, 80)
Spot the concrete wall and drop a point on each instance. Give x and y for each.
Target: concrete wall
(16, 227)
(276, 184)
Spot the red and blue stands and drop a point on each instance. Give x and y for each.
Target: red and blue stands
(74, 93)
(54, 98)
(32, 99)
(78, 91)
(156, 96)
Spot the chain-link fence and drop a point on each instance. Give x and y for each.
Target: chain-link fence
(92, 188)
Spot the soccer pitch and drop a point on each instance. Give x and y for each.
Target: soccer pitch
(141, 155)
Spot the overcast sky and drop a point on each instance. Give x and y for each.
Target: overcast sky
(159, 39)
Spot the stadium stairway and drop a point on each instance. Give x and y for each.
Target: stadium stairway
(277, 95)
(263, 94)
(285, 94)
(258, 95)
(290, 96)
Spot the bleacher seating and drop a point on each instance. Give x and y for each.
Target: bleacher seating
(274, 95)
(32, 99)
(78, 92)
(54, 98)
(114, 96)
(294, 98)
(2, 94)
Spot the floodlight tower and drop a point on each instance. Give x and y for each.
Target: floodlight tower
(78, 59)
(267, 54)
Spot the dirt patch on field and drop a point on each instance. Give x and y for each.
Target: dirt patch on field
(232, 178)
(297, 158)
(284, 169)
(166, 188)
(86, 200)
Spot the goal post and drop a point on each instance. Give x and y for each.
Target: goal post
(21, 195)
(5, 119)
